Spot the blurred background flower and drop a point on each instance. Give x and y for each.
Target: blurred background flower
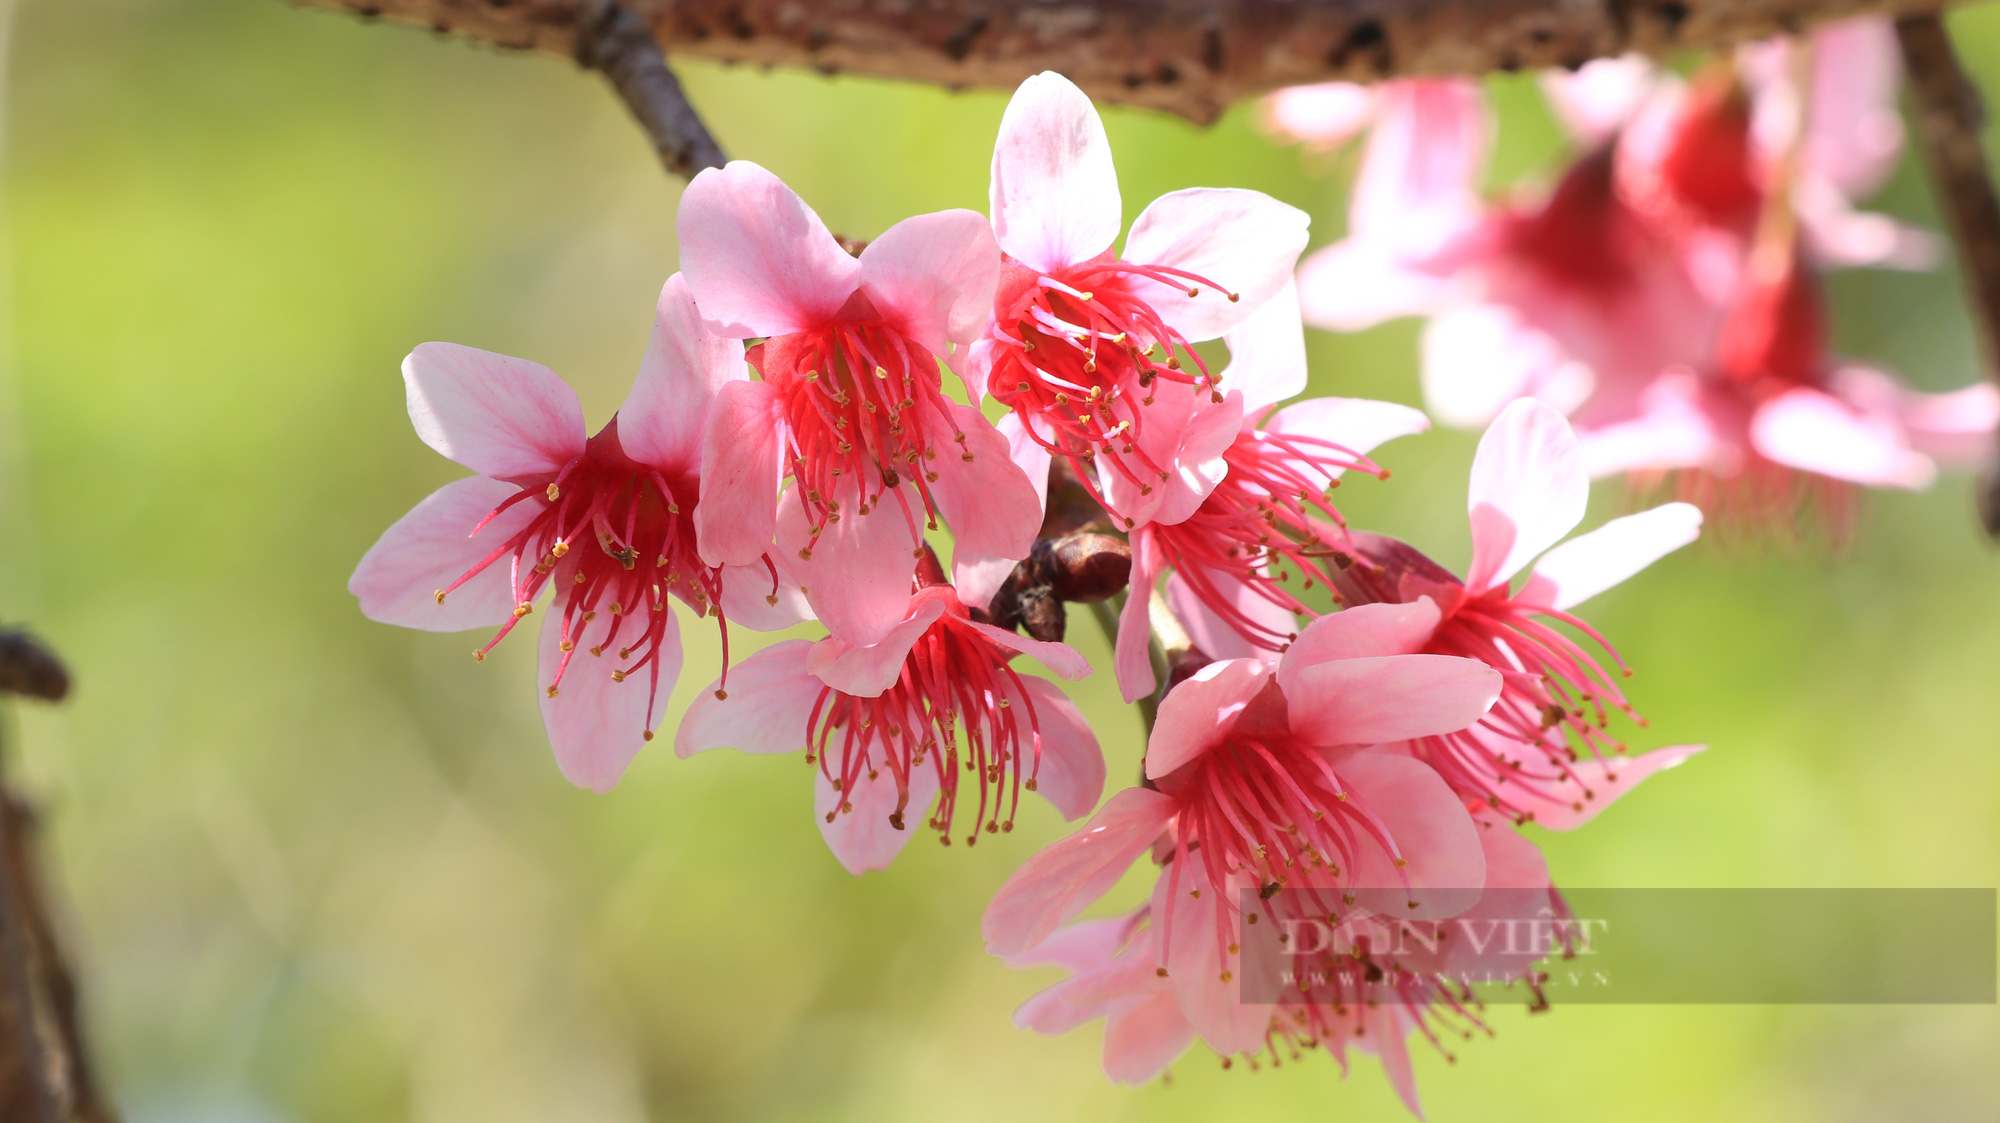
(321, 869)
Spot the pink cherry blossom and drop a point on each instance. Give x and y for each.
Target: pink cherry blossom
(885, 724)
(852, 404)
(1542, 752)
(606, 522)
(1091, 348)
(1256, 531)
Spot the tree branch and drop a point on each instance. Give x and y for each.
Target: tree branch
(616, 40)
(1191, 57)
(1950, 118)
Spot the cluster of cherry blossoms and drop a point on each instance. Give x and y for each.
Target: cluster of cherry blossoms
(1342, 723)
(1666, 291)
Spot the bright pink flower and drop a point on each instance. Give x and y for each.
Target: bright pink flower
(1090, 348)
(885, 723)
(852, 404)
(1257, 531)
(1542, 751)
(607, 522)
(1258, 773)
(1365, 993)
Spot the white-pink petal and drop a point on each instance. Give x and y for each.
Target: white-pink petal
(1590, 563)
(1196, 715)
(1054, 191)
(1356, 424)
(1065, 877)
(499, 416)
(737, 518)
(993, 508)
(1070, 772)
(686, 364)
(1267, 353)
(933, 275)
(1476, 358)
(864, 838)
(1528, 489)
(1244, 242)
(757, 259)
(1388, 698)
(1216, 635)
(597, 724)
(1066, 661)
(770, 702)
(426, 550)
(1131, 660)
(1816, 432)
(1361, 281)
(857, 578)
(1361, 632)
(1324, 115)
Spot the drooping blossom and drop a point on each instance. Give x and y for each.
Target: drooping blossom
(894, 728)
(1256, 537)
(1543, 752)
(851, 404)
(1260, 779)
(605, 522)
(1091, 347)
(1361, 990)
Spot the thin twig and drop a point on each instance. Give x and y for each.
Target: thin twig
(617, 41)
(1950, 118)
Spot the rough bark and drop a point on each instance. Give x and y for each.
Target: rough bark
(1188, 57)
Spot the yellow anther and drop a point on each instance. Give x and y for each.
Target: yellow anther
(555, 493)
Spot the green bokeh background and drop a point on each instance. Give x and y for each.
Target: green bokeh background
(321, 869)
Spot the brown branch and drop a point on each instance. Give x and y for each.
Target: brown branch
(1950, 118)
(45, 1071)
(1191, 57)
(617, 41)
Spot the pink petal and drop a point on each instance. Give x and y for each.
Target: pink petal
(1955, 427)
(1070, 774)
(864, 839)
(1324, 115)
(1388, 1038)
(1853, 133)
(1479, 357)
(1590, 563)
(1054, 193)
(1184, 434)
(597, 725)
(1195, 965)
(747, 594)
(1065, 877)
(1512, 862)
(1130, 659)
(770, 703)
(978, 576)
(1357, 424)
(1083, 946)
(1594, 101)
(1267, 353)
(1528, 490)
(757, 259)
(1389, 698)
(858, 577)
(1419, 178)
(433, 546)
(1361, 281)
(1599, 784)
(499, 416)
(866, 672)
(1837, 235)
(934, 275)
(1141, 1040)
(736, 518)
(686, 364)
(1197, 714)
(1675, 429)
(991, 505)
(1212, 632)
(1446, 865)
(1816, 432)
(1245, 242)
(1066, 661)
(1364, 631)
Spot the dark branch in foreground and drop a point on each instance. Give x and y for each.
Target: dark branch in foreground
(45, 1071)
(1950, 118)
(616, 40)
(1191, 57)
